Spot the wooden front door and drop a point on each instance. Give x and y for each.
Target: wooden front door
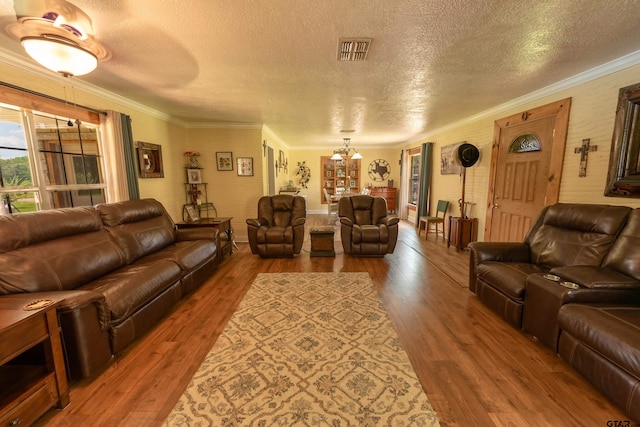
(526, 167)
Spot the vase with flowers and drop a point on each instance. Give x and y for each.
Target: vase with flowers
(192, 157)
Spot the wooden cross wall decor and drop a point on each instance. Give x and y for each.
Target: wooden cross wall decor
(584, 153)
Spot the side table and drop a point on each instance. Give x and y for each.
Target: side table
(223, 224)
(322, 242)
(30, 383)
(462, 231)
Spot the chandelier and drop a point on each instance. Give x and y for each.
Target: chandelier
(337, 154)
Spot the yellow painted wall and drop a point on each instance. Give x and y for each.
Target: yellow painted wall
(592, 115)
(234, 196)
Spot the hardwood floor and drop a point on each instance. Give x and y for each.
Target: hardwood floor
(475, 369)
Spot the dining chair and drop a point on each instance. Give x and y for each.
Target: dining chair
(438, 219)
(332, 205)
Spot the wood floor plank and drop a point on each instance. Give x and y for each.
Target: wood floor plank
(474, 367)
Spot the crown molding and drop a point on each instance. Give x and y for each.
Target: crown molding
(222, 125)
(606, 69)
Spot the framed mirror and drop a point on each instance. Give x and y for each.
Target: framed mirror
(623, 179)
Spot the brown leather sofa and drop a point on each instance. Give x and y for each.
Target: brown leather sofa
(365, 228)
(574, 283)
(279, 229)
(562, 236)
(121, 267)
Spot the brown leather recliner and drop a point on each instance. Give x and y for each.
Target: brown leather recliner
(279, 229)
(365, 228)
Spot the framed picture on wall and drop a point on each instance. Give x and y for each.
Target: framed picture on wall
(245, 166)
(224, 161)
(149, 160)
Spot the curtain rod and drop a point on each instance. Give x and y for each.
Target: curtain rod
(49, 97)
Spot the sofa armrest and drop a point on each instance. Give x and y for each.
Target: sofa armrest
(298, 221)
(85, 320)
(494, 251)
(256, 222)
(389, 220)
(197, 233)
(346, 221)
(500, 252)
(594, 277)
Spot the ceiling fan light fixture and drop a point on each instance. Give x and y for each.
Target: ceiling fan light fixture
(60, 55)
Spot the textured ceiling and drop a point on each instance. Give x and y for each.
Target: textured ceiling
(431, 63)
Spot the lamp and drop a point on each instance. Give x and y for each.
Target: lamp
(60, 55)
(58, 35)
(337, 154)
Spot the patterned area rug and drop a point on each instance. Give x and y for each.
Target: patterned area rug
(307, 349)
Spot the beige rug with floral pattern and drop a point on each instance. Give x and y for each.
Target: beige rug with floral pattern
(306, 349)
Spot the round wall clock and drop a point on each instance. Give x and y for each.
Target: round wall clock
(379, 170)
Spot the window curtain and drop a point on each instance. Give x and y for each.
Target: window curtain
(404, 186)
(426, 160)
(122, 179)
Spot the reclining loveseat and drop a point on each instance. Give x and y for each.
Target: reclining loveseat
(574, 284)
(120, 268)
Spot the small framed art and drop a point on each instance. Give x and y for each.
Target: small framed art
(193, 216)
(224, 161)
(194, 176)
(245, 166)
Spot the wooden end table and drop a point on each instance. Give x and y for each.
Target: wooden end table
(30, 383)
(223, 224)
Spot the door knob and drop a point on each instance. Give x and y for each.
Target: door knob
(495, 205)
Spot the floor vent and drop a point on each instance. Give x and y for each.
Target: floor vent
(353, 49)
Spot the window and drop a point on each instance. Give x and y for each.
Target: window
(47, 162)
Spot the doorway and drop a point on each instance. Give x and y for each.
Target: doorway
(526, 168)
(271, 172)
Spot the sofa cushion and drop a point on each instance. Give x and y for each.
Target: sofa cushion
(275, 234)
(510, 278)
(188, 254)
(55, 250)
(140, 227)
(576, 234)
(133, 286)
(611, 330)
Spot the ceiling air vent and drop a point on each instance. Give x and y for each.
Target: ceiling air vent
(353, 49)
